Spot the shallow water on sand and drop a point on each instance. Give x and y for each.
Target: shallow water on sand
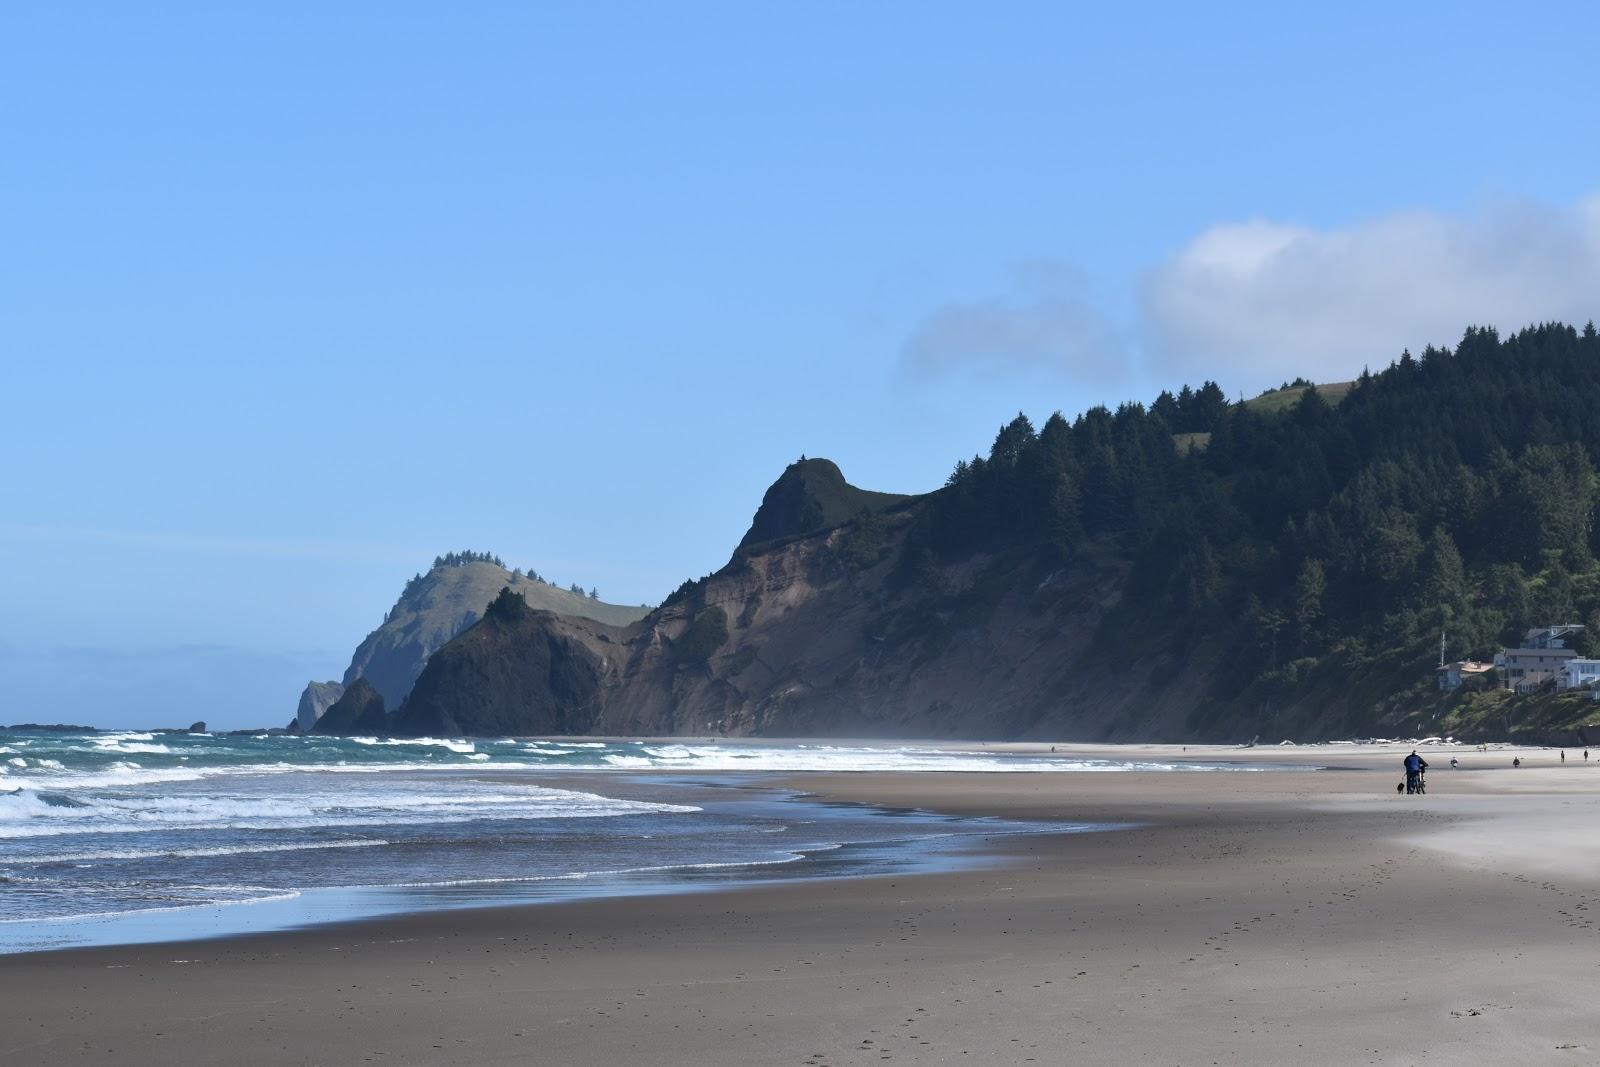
(113, 837)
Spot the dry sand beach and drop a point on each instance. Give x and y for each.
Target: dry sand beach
(1271, 917)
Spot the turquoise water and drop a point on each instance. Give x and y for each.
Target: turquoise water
(113, 836)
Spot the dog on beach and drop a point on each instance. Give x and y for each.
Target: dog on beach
(1401, 788)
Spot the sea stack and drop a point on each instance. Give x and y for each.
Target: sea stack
(317, 698)
(359, 711)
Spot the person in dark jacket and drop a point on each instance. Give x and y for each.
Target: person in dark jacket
(1415, 765)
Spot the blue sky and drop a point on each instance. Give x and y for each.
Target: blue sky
(292, 299)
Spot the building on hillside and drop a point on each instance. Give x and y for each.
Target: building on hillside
(1578, 673)
(1550, 636)
(1537, 660)
(1453, 675)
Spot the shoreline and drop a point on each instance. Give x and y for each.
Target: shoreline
(1248, 917)
(847, 844)
(297, 907)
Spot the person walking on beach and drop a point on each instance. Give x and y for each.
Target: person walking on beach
(1414, 765)
(1563, 755)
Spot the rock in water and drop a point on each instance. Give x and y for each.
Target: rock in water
(358, 711)
(439, 605)
(315, 701)
(518, 671)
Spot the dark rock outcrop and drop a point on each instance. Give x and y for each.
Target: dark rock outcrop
(435, 607)
(518, 671)
(359, 711)
(50, 728)
(809, 496)
(315, 700)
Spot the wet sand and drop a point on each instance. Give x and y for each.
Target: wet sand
(1249, 918)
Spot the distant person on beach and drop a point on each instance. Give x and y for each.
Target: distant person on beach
(1415, 765)
(1563, 755)
(1453, 763)
(1516, 761)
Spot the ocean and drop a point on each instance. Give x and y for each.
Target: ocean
(120, 836)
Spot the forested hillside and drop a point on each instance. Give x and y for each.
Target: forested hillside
(1194, 569)
(1453, 492)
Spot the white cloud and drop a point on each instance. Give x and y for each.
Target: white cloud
(1046, 324)
(1251, 303)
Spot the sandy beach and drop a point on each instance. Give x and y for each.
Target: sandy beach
(1281, 917)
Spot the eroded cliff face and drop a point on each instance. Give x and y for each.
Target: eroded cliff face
(798, 625)
(519, 671)
(813, 635)
(825, 639)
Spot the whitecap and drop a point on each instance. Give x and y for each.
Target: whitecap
(186, 853)
(426, 742)
(105, 744)
(32, 814)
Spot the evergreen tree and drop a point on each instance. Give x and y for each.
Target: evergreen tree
(1309, 586)
(1456, 490)
(1063, 526)
(1444, 583)
(1211, 406)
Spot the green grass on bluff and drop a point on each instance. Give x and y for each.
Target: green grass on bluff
(1275, 400)
(1271, 402)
